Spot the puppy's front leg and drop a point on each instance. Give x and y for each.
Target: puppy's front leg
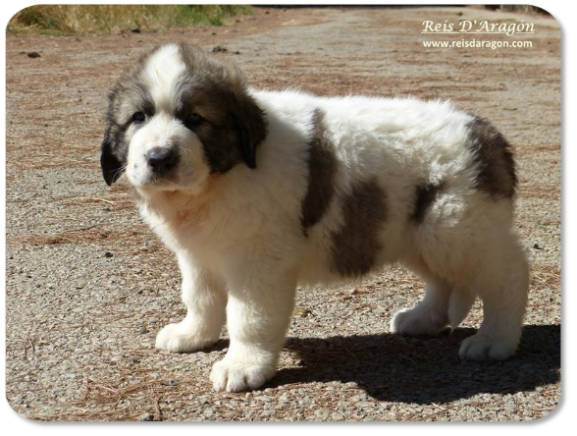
(204, 295)
(258, 315)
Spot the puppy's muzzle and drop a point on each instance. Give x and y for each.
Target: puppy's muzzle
(162, 160)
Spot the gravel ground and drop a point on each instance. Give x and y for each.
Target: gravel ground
(88, 286)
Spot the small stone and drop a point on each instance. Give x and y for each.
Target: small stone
(301, 312)
(146, 417)
(33, 54)
(108, 255)
(136, 30)
(536, 246)
(143, 330)
(219, 49)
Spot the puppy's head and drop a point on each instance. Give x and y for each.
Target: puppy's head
(178, 117)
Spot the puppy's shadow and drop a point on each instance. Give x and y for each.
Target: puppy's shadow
(424, 370)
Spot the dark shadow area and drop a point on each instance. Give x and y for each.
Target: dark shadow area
(220, 345)
(424, 370)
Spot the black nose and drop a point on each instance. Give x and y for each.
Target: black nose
(162, 159)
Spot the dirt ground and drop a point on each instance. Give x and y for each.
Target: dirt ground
(88, 285)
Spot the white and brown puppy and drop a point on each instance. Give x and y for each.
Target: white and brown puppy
(257, 192)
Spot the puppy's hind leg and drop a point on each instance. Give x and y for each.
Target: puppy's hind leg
(503, 287)
(429, 317)
(204, 296)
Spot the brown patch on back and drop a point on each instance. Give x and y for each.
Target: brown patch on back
(356, 245)
(322, 167)
(493, 158)
(425, 195)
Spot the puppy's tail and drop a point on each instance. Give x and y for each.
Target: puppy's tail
(460, 304)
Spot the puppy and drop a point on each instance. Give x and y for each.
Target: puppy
(257, 192)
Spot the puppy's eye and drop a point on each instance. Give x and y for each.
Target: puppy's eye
(138, 117)
(193, 120)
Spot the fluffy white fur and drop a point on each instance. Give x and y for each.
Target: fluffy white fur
(241, 250)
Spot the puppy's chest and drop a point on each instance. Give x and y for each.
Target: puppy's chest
(196, 228)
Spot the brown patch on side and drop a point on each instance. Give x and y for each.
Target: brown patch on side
(356, 244)
(322, 167)
(425, 194)
(493, 158)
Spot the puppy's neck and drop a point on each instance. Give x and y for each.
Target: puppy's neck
(180, 205)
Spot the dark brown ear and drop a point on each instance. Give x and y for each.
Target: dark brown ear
(251, 124)
(112, 167)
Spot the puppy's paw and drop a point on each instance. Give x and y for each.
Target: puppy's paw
(232, 375)
(484, 347)
(180, 338)
(418, 322)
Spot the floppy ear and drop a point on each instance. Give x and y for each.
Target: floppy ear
(251, 124)
(112, 167)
